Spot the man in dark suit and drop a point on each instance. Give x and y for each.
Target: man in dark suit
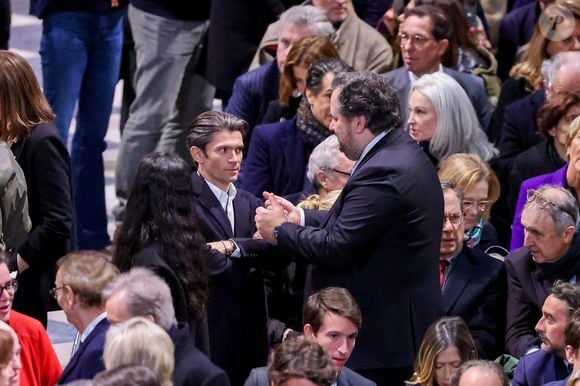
(237, 315)
(253, 91)
(381, 238)
(332, 318)
(473, 284)
(550, 364)
(425, 38)
(80, 278)
(551, 251)
(139, 292)
(572, 341)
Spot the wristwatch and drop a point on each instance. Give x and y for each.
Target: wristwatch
(276, 231)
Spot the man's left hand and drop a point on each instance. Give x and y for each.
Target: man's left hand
(268, 219)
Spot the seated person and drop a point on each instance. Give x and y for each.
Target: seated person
(40, 365)
(551, 252)
(572, 341)
(446, 345)
(128, 375)
(473, 284)
(549, 363)
(139, 292)
(80, 278)
(480, 373)
(331, 318)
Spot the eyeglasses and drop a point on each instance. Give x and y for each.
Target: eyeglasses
(416, 40)
(54, 291)
(453, 218)
(544, 202)
(341, 172)
(10, 287)
(480, 205)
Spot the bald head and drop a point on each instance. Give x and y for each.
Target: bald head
(480, 373)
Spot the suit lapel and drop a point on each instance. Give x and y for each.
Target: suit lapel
(211, 205)
(72, 364)
(462, 271)
(241, 212)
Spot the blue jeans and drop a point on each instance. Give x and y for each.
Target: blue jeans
(80, 55)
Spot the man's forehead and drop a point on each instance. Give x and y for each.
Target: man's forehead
(294, 31)
(415, 22)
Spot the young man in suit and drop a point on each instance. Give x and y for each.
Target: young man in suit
(380, 240)
(549, 363)
(237, 316)
(139, 292)
(473, 284)
(572, 340)
(332, 318)
(80, 278)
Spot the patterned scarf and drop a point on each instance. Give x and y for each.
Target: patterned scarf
(312, 131)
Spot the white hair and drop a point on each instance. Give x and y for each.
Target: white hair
(323, 157)
(308, 16)
(458, 129)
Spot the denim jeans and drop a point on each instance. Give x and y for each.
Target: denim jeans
(80, 55)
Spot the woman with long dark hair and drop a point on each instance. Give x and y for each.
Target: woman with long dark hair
(160, 232)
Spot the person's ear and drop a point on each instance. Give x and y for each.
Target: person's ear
(322, 178)
(569, 234)
(359, 124)
(442, 47)
(196, 154)
(308, 331)
(570, 353)
(309, 96)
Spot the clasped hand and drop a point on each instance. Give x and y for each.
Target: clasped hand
(276, 211)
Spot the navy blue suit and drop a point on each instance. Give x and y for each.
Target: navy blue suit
(276, 161)
(252, 93)
(538, 368)
(381, 241)
(346, 377)
(88, 360)
(474, 289)
(237, 308)
(192, 367)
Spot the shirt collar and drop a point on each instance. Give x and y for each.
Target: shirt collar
(221, 195)
(91, 326)
(368, 148)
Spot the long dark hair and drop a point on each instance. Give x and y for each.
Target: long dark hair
(160, 209)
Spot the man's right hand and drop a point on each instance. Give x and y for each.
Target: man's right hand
(291, 211)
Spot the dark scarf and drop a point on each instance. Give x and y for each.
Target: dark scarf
(311, 131)
(564, 268)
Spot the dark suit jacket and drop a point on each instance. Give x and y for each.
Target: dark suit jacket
(88, 360)
(45, 162)
(381, 241)
(473, 86)
(237, 311)
(252, 93)
(276, 161)
(519, 130)
(346, 377)
(538, 368)
(192, 367)
(475, 290)
(528, 286)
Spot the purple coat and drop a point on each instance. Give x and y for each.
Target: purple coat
(557, 178)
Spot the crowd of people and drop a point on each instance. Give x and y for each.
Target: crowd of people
(388, 195)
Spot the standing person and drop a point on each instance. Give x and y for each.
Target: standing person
(160, 232)
(80, 52)
(168, 36)
(380, 220)
(27, 121)
(237, 311)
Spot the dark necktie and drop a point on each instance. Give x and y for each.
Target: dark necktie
(443, 264)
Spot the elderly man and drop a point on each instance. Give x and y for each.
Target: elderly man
(80, 278)
(358, 44)
(473, 284)
(480, 373)
(40, 365)
(332, 319)
(254, 90)
(549, 363)
(381, 238)
(551, 251)
(15, 362)
(139, 292)
(424, 37)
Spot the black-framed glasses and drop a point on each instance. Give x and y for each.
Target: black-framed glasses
(544, 202)
(416, 40)
(481, 205)
(341, 172)
(454, 218)
(54, 291)
(10, 287)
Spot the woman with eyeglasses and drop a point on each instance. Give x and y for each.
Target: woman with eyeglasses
(442, 119)
(279, 152)
(446, 345)
(567, 176)
(480, 189)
